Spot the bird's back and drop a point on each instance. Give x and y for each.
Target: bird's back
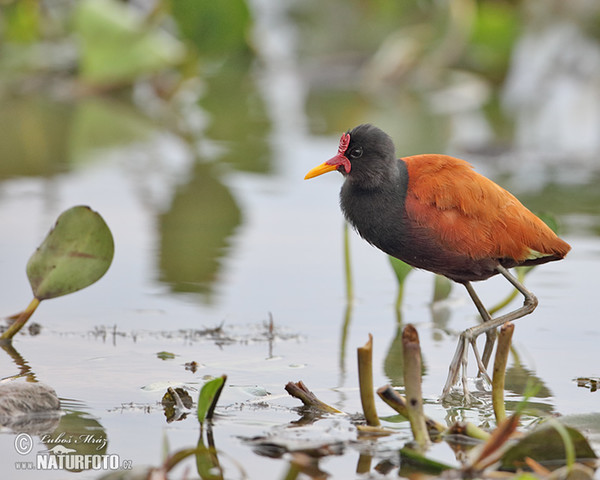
(455, 209)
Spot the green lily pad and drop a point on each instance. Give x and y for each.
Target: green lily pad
(547, 446)
(76, 253)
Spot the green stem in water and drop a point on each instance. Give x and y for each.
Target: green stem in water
(498, 376)
(365, 380)
(11, 331)
(347, 265)
(412, 385)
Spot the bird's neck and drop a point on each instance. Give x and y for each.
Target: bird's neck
(378, 179)
(377, 211)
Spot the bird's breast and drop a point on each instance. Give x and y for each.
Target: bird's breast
(377, 215)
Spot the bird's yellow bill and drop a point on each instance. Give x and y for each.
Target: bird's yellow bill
(320, 170)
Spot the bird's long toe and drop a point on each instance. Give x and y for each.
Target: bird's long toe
(457, 365)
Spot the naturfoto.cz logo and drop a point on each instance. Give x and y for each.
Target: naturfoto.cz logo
(62, 457)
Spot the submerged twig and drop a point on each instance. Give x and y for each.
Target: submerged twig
(365, 380)
(499, 374)
(301, 392)
(412, 384)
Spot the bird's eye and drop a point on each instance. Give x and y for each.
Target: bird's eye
(356, 152)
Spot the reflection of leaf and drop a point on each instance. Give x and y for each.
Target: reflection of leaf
(76, 253)
(238, 116)
(80, 433)
(412, 461)
(393, 365)
(545, 445)
(209, 395)
(34, 138)
(194, 232)
(117, 46)
(207, 462)
(101, 123)
(519, 378)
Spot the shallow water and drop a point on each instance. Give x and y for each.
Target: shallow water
(284, 260)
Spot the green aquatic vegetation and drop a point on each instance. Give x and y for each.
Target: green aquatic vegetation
(208, 398)
(76, 253)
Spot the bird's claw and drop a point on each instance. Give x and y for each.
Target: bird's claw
(459, 364)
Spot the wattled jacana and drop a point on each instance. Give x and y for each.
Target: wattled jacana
(434, 212)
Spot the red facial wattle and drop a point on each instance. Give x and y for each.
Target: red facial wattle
(340, 158)
(334, 163)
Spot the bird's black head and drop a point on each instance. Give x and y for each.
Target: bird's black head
(365, 156)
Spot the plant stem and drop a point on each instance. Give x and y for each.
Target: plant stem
(498, 376)
(365, 380)
(12, 330)
(348, 265)
(412, 384)
(398, 403)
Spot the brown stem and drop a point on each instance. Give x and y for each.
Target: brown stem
(301, 392)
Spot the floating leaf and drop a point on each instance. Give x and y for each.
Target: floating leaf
(165, 355)
(76, 253)
(176, 403)
(546, 445)
(209, 395)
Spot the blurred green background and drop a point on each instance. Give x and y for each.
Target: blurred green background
(513, 84)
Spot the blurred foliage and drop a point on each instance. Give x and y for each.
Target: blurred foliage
(21, 21)
(492, 39)
(117, 46)
(215, 29)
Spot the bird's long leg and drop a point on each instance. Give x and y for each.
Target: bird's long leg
(471, 334)
(490, 335)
